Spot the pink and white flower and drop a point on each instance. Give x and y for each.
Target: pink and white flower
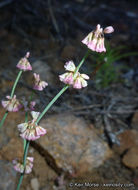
(12, 104)
(24, 64)
(72, 77)
(30, 130)
(80, 81)
(70, 66)
(39, 85)
(18, 165)
(95, 39)
(67, 77)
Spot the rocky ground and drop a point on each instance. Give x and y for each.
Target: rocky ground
(92, 134)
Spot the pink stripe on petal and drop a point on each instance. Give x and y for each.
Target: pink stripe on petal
(40, 131)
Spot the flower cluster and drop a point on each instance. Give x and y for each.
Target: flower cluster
(95, 39)
(39, 84)
(18, 165)
(30, 130)
(12, 104)
(24, 64)
(72, 77)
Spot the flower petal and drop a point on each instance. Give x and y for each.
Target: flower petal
(70, 66)
(40, 131)
(35, 114)
(108, 30)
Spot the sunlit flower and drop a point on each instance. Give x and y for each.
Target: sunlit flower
(18, 165)
(30, 130)
(80, 81)
(95, 39)
(39, 85)
(24, 64)
(12, 104)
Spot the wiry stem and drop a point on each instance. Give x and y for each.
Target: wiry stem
(24, 164)
(15, 83)
(12, 93)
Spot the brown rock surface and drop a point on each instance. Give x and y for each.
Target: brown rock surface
(130, 159)
(73, 145)
(129, 143)
(9, 129)
(128, 139)
(14, 149)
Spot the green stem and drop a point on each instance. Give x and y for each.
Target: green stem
(12, 93)
(82, 61)
(15, 83)
(24, 164)
(20, 181)
(61, 91)
(26, 152)
(3, 119)
(52, 102)
(26, 119)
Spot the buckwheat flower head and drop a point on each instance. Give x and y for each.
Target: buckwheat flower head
(12, 104)
(24, 64)
(18, 165)
(30, 130)
(67, 77)
(95, 39)
(80, 81)
(39, 85)
(72, 77)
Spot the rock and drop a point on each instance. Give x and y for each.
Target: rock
(130, 159)
(9, 129)
(14, 149)
(74, 146)
(129, 143)
(68, 52)
(127, 140)
(44, 174)
(35, 184)
(7, 176)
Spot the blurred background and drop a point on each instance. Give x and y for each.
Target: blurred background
(91, 133)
